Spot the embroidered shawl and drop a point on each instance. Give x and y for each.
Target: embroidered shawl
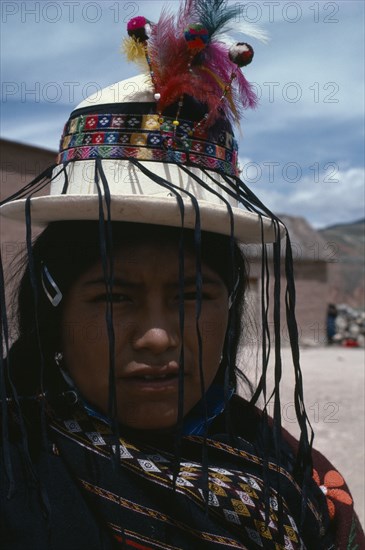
(218, 497)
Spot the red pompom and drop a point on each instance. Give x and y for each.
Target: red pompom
(139, 28)
(196, 36)
(241, 54)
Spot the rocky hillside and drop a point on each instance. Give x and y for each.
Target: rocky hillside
(346, 270)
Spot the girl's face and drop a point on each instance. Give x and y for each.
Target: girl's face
(148, 339)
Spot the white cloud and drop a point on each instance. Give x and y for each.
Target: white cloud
(321, 203)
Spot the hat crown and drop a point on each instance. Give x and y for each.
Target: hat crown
(136, 89)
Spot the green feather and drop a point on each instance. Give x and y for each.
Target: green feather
(215, 15)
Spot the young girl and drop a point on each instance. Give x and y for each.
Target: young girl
(121, 422)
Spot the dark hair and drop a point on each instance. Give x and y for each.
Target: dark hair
(68, 249)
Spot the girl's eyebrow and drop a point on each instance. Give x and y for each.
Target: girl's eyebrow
(206, 279)
(118, 281)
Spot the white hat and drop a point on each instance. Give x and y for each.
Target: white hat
(152, 164)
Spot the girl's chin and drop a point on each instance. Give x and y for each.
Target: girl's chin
(148, 433)
(149, 423)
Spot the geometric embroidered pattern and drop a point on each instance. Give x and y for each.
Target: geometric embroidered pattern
(147, 137)
(235, 498)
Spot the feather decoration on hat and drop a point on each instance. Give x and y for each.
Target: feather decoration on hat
(220, 19)
(134, 50)
(187, 56)
(171, 61)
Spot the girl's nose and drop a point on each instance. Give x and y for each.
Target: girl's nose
(157, 333)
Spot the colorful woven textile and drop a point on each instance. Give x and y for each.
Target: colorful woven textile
(97, 503)
(234, 498)
(157, 517)
(147, 137)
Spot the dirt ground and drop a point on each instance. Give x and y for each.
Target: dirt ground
(334, 390)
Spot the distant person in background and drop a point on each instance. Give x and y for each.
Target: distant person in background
(331, 323)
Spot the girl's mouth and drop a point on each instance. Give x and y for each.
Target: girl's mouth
(152, 378)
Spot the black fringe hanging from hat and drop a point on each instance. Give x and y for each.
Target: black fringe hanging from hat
(186, 55)
(236, 189)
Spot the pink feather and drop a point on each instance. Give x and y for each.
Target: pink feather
(167, 50)
(217, 60)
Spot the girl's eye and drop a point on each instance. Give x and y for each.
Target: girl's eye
(193, 295)
(116, 298)
(190, 295)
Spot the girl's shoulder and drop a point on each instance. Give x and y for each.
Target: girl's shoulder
(344, 523)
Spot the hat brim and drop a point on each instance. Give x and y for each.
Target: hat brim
(249, 228)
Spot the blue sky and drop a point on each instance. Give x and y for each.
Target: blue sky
(301, 151)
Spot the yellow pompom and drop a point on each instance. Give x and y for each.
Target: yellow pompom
(134, 50)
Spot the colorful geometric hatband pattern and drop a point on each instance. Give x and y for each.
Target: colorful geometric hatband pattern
(147, 137)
